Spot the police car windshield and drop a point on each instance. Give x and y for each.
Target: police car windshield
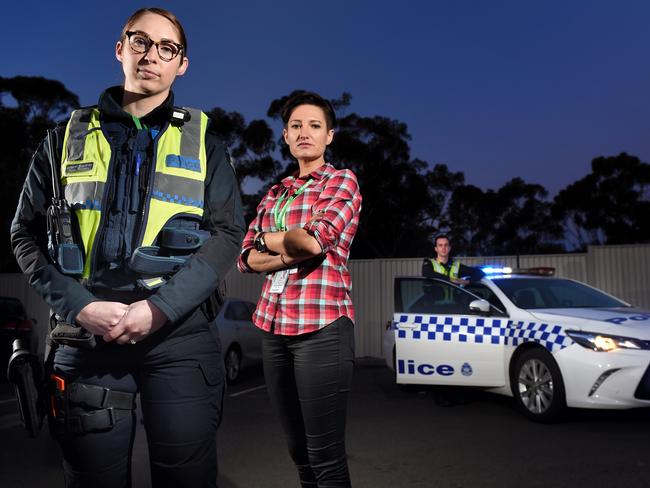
(531, 293)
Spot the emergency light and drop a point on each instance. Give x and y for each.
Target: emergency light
(492, 270)
(506, 270)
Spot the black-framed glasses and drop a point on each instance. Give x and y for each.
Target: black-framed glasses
(141, 43)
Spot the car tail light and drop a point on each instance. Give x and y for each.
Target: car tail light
(24, 325)
(8, 326)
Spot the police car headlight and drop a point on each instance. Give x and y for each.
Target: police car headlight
(606, 343)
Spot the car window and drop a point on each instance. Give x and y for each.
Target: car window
(11, 309)
(530, 293)
(251, 307)
(424, 296)
(237, 311)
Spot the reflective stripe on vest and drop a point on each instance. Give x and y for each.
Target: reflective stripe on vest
(177, 186)
(439, 268)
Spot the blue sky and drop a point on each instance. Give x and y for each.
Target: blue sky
(495, 89)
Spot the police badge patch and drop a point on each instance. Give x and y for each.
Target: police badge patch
(466, 370)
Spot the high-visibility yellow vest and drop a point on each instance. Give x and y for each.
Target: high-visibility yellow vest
(176, 185)
(453, 270)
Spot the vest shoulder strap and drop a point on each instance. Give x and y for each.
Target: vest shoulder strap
(192, 133)
(78, 126)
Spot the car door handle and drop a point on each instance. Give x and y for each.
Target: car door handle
(407, 326)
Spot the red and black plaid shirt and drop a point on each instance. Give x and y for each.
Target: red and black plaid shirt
(319, 291)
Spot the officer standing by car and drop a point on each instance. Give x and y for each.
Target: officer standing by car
(158, 219)
(442, 266)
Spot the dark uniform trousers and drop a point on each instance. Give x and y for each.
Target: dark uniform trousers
(180, 381)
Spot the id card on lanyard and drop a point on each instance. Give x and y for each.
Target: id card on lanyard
(281, 277)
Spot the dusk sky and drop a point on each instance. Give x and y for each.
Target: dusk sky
(495, 89)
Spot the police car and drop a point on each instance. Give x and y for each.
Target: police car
(549, 342)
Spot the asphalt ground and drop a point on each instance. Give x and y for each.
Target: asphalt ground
(396, 438)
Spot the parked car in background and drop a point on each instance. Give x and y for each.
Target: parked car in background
(241, 341)
(14, 324)
(549, 342)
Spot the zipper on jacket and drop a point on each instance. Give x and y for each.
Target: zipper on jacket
(106, 198)
(151, 172)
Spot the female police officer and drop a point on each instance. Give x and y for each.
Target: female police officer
(158, 216)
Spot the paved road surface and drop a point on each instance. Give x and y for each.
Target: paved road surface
(396, 439)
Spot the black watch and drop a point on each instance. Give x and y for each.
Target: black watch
(260, 245)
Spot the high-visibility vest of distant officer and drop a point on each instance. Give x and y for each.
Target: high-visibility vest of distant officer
(451, 271)
(443, 266)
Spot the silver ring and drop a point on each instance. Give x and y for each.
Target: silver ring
(132, 341)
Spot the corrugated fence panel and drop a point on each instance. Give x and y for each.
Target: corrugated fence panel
(566, 265)
(623, 271)
(366, 289)
(572, 266)
(489, 261)
(372, 295)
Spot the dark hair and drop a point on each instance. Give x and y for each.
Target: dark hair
(298, 98)
(441, 236)
(163, 13)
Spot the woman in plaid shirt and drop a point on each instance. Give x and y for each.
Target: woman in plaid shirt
(301, 239)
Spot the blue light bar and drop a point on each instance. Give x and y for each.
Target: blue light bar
(489, 270)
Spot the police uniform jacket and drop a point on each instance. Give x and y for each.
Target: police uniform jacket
(111, 279)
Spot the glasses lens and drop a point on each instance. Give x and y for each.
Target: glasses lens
(139, 43)
(167, 51)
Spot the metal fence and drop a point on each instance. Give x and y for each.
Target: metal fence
(623, 271)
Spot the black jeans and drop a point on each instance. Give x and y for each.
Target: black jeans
(180, 381)
(308, 378)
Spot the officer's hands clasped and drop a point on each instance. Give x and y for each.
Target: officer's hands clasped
(124, 324)
(141, 319)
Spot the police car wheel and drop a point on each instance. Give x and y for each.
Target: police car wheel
(537, 386)
(232, 362)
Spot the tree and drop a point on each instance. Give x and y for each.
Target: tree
(469, 220)
(525, 225)
(608, 206)
(403, 198)
(406, 201)
(39, 98)
(39, 105)
(252, 148)
(516, 219)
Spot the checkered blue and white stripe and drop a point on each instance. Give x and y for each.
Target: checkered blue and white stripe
(480, 330)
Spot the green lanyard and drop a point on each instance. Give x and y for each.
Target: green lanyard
(280, 214)
(138, 123)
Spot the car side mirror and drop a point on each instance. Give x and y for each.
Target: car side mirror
(480, 306)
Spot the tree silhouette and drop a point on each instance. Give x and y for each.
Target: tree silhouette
(252, 148)
(406, 201)
(515, 219)
(403, 198)
(608, 206)
(39, 105)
